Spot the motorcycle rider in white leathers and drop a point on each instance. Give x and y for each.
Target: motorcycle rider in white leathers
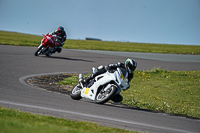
(129, 66)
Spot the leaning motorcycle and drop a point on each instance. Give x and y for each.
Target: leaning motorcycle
(103, 87)
(48, 45)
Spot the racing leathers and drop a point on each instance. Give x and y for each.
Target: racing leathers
(102, 69)
(61, 37)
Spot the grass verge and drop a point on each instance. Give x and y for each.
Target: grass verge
(15, 121)
(19, 39)
(175, 92)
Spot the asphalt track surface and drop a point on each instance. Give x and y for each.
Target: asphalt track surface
(19, 63)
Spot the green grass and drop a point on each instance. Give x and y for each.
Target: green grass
(19, 39)
(176, 92)
(15, 121)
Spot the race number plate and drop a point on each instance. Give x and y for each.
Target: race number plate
(87, 90)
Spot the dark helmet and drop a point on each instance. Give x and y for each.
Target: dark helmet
(130, 65)
(60, 30)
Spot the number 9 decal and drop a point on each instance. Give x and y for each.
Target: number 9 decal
(87, 90)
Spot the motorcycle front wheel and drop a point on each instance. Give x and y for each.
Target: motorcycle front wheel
(76, 92)
(104, 96)
(39, 50)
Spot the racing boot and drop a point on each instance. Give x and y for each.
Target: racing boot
(87, 79)
(49, 52)
(93, 75)
(54, 50)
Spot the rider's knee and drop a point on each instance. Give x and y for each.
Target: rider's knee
(59, 50)
(117, 98)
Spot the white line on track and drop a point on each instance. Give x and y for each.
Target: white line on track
(93, 116)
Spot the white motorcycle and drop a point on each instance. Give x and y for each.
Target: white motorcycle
(103, 87)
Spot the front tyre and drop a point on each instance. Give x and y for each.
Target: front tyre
(104, 96)
(39, 50)
(76, 92)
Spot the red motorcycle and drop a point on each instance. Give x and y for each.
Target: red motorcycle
(48, 45)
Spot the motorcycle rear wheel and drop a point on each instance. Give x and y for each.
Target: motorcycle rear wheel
(39, 50)
(104, 96)
(76, 92)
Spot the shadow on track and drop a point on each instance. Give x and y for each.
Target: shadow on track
(65, 58)
(114, 105)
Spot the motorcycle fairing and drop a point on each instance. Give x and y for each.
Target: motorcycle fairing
(90, 93)
(119, 80)
(49, 40)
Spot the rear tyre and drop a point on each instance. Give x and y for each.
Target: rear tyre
(76, 92)
(39, 50)
(104, 96)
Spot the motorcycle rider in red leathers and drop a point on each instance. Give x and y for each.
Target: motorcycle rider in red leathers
(61, 34)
